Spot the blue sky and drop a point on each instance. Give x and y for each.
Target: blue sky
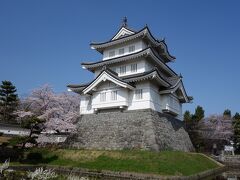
(45, 42)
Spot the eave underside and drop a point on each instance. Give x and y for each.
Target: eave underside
(148, 52)
(167, 85)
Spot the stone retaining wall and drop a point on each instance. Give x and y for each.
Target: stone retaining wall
(230, 160)
(140, 129)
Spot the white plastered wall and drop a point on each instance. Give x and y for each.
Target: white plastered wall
(151, 99)
(141, 67)
(139, 45)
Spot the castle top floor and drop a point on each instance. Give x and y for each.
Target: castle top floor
(127, 41)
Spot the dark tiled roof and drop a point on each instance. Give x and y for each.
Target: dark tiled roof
(77, 85)
(173, 80)
(112, 60)
(136, 77)
(126, 79)
(78, 88)
(135, 55)
(118, 39)
(145, 32)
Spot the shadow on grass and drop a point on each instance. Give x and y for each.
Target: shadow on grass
(37, 158)
(13, 153)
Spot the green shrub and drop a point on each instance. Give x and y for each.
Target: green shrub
(34, 157)
(13, 154)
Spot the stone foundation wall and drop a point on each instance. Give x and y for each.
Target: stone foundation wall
(140, 129)
(230, 160)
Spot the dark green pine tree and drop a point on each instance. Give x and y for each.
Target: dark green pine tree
(8, 102)
(236, 129)
(192, 127)
(236, 116)
(227, 114)
(187, 118)
(199, 114)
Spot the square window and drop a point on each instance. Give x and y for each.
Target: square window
(121, 51)
(138, 94)
(131, 48)
(111, 53)
(123, 70)
(133, 67)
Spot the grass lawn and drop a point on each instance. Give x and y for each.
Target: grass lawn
(161, 163)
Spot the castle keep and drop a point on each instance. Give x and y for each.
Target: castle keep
(135, 99)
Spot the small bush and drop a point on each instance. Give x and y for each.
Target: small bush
(34, 157)
(13, 154)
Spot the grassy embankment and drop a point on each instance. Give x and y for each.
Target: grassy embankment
(161, 163)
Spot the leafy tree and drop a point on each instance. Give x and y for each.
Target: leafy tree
(35, 126)
(187, 116)
(199, 114)
(8, 101)
(236, 136)
(236, 116)
(192, 127)
(227, 113)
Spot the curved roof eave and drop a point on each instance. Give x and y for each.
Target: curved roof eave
(97, 45)
(144, 32)
(109, 74)
(150, 74)
(160, 43)
(177, 86)
(147, 51)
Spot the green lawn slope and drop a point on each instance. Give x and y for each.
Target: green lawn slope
(161, 163)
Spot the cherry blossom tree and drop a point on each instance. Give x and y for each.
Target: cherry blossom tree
(59, 111)
(216, 127)
(216, 131)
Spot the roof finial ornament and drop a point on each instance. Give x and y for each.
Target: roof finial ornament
(124, 22)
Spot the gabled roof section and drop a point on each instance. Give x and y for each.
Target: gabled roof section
(153, 74)
(103, 76)
(178, 86)
(148, 52)
(144, 34)
(122, 32)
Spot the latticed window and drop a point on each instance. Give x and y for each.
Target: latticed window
(103, 96)
(121, 51)
(138, 94)
(131, 48)
(111, 53)
(133, 67)
(114, 95)
(123, 70)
